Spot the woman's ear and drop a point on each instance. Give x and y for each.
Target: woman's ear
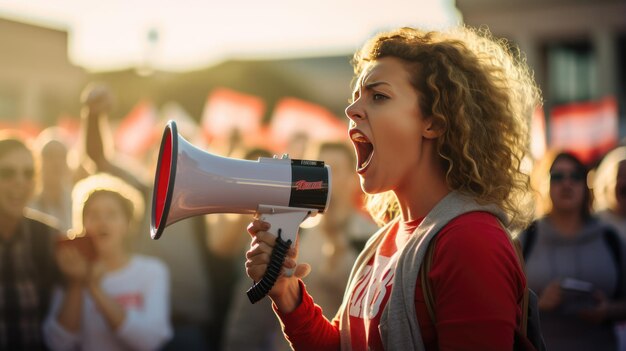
(431, 130)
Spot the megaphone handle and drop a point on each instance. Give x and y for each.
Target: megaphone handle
(263, 286)
(284, 223)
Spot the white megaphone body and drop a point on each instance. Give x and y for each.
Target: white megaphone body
(283, 192)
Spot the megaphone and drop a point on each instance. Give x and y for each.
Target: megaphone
(283, 192)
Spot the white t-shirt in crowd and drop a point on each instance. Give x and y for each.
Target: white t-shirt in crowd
(142, 287)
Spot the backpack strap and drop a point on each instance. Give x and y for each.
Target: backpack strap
(520, 257)
(429, 298)
(530, 236)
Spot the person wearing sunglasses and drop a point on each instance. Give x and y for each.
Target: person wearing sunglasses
(575, 264)
(27, 267)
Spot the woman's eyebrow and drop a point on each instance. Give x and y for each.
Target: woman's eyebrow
(375, 84)
(368, 86)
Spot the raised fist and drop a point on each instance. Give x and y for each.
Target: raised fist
(97, 98)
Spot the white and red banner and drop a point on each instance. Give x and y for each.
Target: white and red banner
(588, 129)
(294, 116)
(227, 111)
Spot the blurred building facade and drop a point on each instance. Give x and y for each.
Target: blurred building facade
(37, 81)
(577, 48)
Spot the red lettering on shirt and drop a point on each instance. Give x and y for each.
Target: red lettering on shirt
(130, 300)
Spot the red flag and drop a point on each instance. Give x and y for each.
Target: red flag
(29, 127)
(227, 111)
(25, 128)
(293, 116)
(134, 136)
(587, 129)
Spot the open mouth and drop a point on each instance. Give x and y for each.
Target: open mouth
(364, 150)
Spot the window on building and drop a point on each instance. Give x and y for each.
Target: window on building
(571, 72)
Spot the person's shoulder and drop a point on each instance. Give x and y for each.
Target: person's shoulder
(484, 223)
(477, 232)
(476, 242)
(42, 220)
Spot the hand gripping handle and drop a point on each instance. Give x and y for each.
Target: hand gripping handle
(284, 223)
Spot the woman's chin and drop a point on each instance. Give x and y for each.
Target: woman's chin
(370, 188)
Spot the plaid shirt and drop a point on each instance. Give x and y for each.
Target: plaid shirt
(27, 272)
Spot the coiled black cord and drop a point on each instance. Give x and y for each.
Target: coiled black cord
(263, 286)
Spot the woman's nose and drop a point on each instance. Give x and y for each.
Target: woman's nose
(354, 111)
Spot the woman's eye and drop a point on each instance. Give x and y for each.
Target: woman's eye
(379, 97)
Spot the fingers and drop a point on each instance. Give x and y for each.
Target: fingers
(260, 253)
(302, 270)
(72, 263)
(258, 258)
(256, 226)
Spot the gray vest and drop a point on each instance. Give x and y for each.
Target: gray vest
(398, 327)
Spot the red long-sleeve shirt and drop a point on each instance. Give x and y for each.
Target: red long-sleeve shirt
(476, 281)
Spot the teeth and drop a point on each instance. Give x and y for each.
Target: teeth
(358, 137)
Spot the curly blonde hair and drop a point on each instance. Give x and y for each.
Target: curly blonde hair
(481, 94)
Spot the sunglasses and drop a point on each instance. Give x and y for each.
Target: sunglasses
(576, 176)
(10, 173)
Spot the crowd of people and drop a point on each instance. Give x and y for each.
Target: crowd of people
(84, 273)
(438, 123)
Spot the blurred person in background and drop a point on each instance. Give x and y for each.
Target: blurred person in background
(438, 121)
(27, 267)
(609, 189)
(111, 299)
(574, 262)
(97, 152)
(193, 302)
(55, 191)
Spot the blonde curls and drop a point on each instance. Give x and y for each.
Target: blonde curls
(481, 94)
